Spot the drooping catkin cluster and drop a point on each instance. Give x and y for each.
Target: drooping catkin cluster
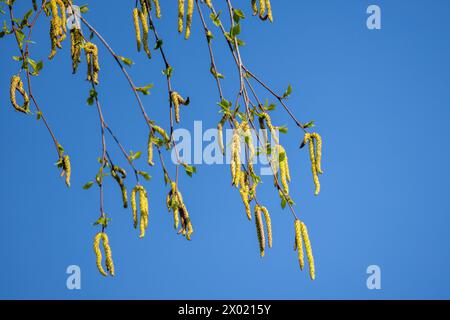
(17, 86)
(264, 5)
(119, 174)
(178, 100)
(102, 236)
(93, 67)
(302, 237)
(142, 17)
(259, 211)
(76, 40)
(58, 26)
(174, 202)
(189, 14)
(140, 191)
(67, 169)
(315, 154)
(266, 120)
(285, 175)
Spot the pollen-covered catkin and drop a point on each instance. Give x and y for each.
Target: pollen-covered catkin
(98, 253)
(189, 14)
(298, 244)
(254, 8)
(220, 138)
(308, 139)
(260, 230)
(236, 157)
(318, 147)
(268, 225)
(244, 192)
(180, 15)
(108, 254)
(284, 169)
(67, 169)
(17, 85)
(262, 8)
(76, 43)
(269, 10)
(137, 28)
(150, 150)
(92, 61)
(143, 207)
(134, 206)
(176, 104)
(309, 254)
(157, 9)
(143, 15)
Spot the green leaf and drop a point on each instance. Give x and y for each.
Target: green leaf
(288, 92)
(158, 44)
(38, 115)
(84, 8)
(92, 96)
(133, 156)
(236, 30)
(88, 185)
(283, 203)
(189, 169)
(238, 15)
(168, 72)
(283, 129)
(309, 124)
(103, 221)
(215, 18)
(145, 90)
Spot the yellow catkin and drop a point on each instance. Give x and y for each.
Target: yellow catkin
(187, 228)
(309, 254)
(157, 9)
(76, 42)
(150, 150)
(269, 10)
(67, 169)
(17, 86)
(189, 14)
(134, 206)
(143, 15)
(236, 157)
(262, 8)
(209, 3)
(318, 151)
(176, 104)
(260, 230)
(268, 225)
(108, 254)
(271, 127)
(180, 15)
(308, 139)
(176, 219)
(220, 138)
(254, 8)
(137, 28)
(298, 245)
(92, 61)
(284, 169)
(123, 190)
(98, 253)
(244, 192)
(143, 207)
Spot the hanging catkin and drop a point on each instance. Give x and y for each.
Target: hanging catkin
(309, 254)
(98, 253)
(318, 151)
(220, 138)
(260, 230)
(115, 171)
(236, 156)
(150, 149)
(108, 254)
(157, 9)
(269, 10)
(76, 39)
(93, 66)
(268, 225)
(137, 28)
(140, 191)
(67, 170)
(262, 8)
(254, 8)
(143, 15)
(298, 244)
(284, 168)
(244, 192)
(189, 14)
(308, 139)
(180, 15)
(17, 86)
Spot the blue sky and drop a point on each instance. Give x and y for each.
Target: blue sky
(380, 100)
